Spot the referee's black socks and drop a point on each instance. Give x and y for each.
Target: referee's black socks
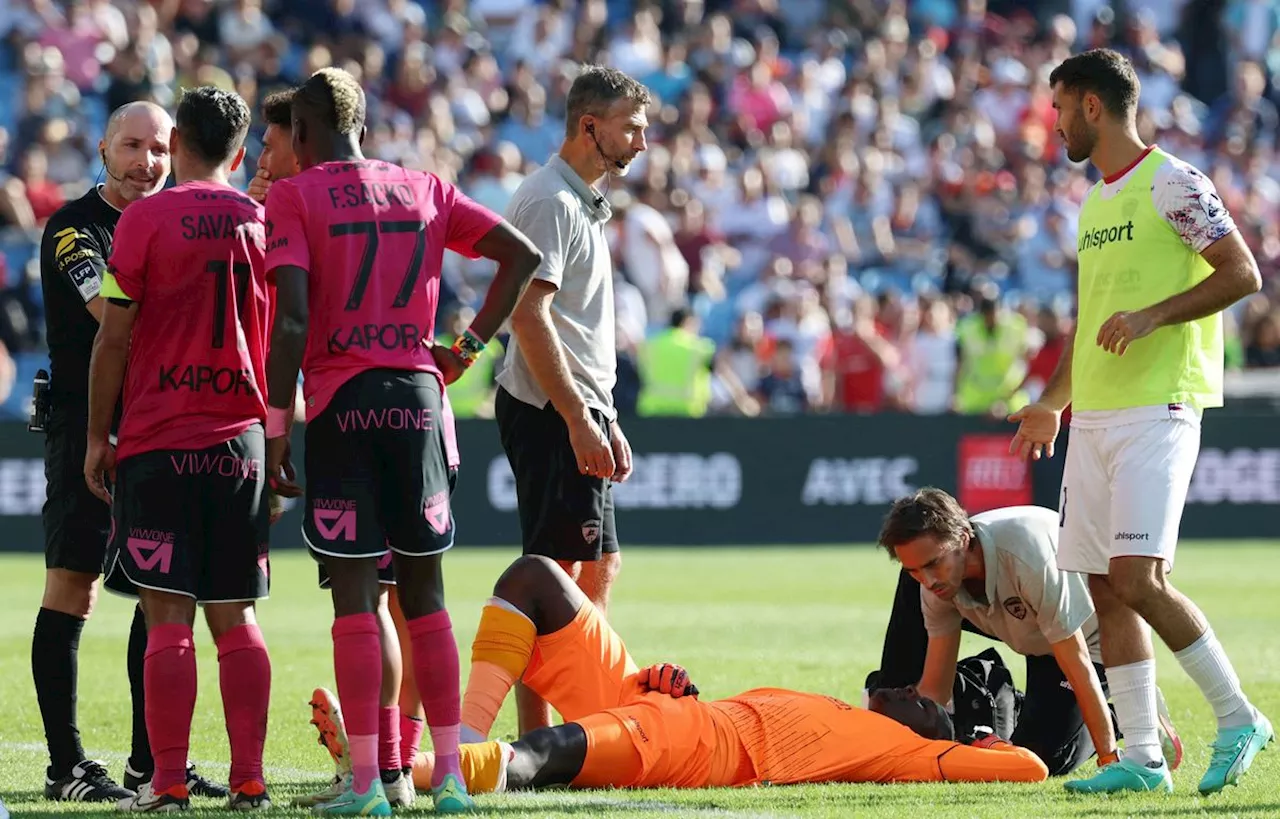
(140, 760)
(54, 649)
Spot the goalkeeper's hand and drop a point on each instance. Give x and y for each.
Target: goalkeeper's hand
(991, 742)
(668, 679)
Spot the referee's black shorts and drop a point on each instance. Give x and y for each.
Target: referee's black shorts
(76, 523)
(564, 515)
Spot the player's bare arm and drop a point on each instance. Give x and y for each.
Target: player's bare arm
(288, 343)
(1038, 423)
(517, 260)
(939, 675)
(1073, 658)
(531, 323)
(94, 306)
(1235, 275)
(106, 379)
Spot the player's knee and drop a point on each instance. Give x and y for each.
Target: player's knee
(353, 584)
(223, 617)
(164, 608)
(527, 579)
(73, 593)
(1137, 582)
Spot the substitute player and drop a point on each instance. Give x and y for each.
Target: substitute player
(400, 717)
(554, 404)
(631, 728)
(187, 310)
(998, 570)
(1159, 258)
(356, 247)
(73, 257)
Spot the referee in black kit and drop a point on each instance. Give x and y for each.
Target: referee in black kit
(73, 256)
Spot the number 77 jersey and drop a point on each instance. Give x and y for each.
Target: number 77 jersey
(371, 236)
(192, 259)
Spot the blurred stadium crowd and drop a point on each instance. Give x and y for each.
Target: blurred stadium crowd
(837, 193)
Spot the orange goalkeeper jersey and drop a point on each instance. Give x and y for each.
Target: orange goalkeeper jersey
(771, 735)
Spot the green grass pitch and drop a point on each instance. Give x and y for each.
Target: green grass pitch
(806, 618)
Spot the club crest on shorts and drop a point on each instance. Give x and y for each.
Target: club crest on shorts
(1016, 607)
(590, 531)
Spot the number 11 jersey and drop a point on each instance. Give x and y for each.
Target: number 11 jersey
(371, 236)
(192, 258)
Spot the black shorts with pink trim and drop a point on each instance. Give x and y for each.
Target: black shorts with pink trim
(377, 471)
(192, 522)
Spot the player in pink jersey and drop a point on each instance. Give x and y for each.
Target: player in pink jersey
(186, 311)
(356, 246)
(401, 721)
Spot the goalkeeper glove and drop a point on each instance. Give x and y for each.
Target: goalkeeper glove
(668, 679)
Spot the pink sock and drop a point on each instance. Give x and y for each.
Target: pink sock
(411, 729)
(244, 670)
(169, 681)
(389, 738)
(357, 664)
(435, 664)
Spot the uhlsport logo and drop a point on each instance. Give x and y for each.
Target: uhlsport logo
(1132, 536)
(1097, 238)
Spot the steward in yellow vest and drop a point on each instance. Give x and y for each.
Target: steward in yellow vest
(675, 369)
(993, 360)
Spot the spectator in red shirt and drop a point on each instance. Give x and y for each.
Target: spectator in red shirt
(854, 361)
(44, 195)
(1055, 327)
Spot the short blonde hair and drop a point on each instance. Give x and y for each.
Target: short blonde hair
(336, 97)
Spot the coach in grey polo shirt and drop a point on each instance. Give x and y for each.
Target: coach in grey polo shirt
(554, 405)
(565, 218)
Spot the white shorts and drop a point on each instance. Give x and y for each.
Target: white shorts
(1123, 491)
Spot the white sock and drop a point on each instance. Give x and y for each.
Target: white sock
(508, 754)
(1207, 665)
(1133, 693)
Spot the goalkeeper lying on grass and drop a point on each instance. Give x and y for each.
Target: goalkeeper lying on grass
(628, 728)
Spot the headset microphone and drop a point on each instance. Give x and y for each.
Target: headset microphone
(107, 167)
(618, 163)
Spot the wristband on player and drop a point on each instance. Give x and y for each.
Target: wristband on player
(277, 422)
(1106, 759)
(468, 347)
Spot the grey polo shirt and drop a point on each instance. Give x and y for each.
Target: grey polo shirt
(1030, 603)
(565, 217)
